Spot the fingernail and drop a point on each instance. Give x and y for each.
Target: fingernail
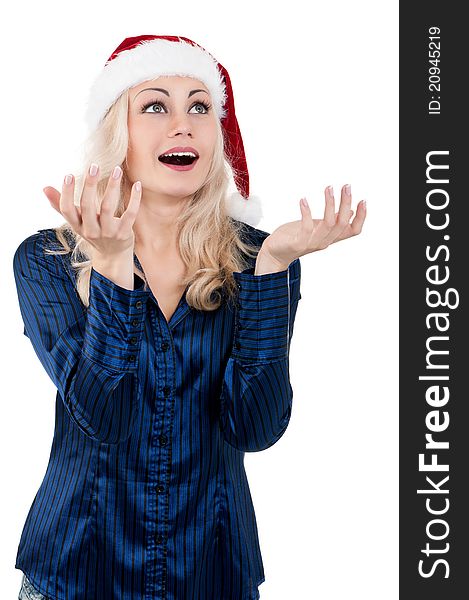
(117, 172)
(348, 189)
(364, 204)
(331, 190)
(68, 179)
(304, 202)
(93, 169)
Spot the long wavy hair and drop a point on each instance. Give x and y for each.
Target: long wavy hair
(210, 241)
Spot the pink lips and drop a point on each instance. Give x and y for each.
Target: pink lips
(180, 167)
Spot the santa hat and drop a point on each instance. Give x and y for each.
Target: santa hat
(145, 57)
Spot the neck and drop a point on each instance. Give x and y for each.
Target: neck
(155, 225)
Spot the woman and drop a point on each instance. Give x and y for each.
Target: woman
(164, 318)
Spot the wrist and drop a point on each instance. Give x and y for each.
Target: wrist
(266, 263)
(118, 269)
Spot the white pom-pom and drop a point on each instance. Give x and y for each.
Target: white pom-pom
(247, 211)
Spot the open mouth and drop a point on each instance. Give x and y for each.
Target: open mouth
(180, 159)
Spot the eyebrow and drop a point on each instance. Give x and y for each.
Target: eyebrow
(167, 93)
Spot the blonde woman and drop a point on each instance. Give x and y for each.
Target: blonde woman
(164, 318)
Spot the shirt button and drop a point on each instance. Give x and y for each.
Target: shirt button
(131, 358)
(138, 304)
(164, 346)
(160, 488)
(134, 322)
(166, 390)
(163, 439)
(239, 286)
(159, 539)
(133, 340)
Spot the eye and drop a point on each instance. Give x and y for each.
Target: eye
(151, 104)
(206, 105)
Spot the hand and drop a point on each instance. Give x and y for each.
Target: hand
(110, 236)
(297, 238)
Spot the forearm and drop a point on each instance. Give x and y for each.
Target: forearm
(90, 353)
(256, 395)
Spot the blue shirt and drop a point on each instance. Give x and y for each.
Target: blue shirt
(145, 495)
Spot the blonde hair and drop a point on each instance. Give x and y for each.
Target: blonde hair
(209, 239)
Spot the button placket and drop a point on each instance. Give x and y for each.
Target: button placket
(162, 455)
(161, 441)
(134, 339)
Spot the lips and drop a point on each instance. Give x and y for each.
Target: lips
(181, 149)
(179, 160)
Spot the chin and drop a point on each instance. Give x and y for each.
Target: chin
(178, 191)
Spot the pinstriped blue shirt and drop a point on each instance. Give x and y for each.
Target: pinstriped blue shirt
(145, 495)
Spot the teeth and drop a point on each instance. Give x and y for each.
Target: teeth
(181, 154)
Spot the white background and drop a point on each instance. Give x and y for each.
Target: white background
(316, 95)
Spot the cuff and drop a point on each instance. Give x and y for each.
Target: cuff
(262, 322)
(115, 323)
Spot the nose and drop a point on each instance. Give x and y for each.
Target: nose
(180, 124)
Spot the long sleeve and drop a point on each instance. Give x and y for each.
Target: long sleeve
(256, 398)
(90, 353)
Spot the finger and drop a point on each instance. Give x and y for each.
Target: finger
(111, 198)
(356, 226)
(130, 213)
(305, 209)
(357, 223)
(343, 217)
(335, 221)
(88, 205)
(53, 196)
(329, 210)
(67, 205)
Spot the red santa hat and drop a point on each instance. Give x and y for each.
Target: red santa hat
(145, 57)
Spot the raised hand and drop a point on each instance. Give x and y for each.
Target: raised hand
(297, 238)
(110, 236)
